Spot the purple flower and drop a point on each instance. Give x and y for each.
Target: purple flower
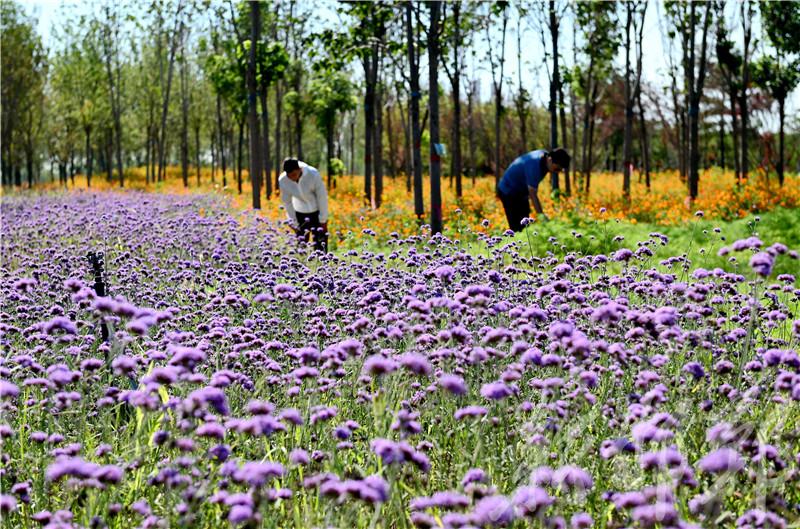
(416, 363)
(581, 520)
(257, 474)
(529, 501)
(8, 503)
(762, 263)
(379, 365)
(7, 389)
(453, 383)
(496, 391)
(721, 460)
(494, 511)
(298, 456)
(470, 411)
(572, 478)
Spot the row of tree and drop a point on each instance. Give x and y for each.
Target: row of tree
(182, 81)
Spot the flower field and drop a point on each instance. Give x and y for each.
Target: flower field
(664, 205)
(247, 382)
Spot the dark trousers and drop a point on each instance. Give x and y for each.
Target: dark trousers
(309, 225)
(517, 208)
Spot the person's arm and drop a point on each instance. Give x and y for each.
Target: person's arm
(322, 201)
(534, 194)
(286, 198)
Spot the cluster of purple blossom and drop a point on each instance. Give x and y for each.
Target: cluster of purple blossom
(246, 380)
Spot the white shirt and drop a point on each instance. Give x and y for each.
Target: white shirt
(307, 195)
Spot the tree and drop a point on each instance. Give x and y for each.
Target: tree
(601, 39)
(687, 19)
(497, 63)
(272, 64)
(433, 102)
(331, 93)
(454, 29)
(252, 104)
(416, 133)
(634, 16)
(779, 74)
(730, 63)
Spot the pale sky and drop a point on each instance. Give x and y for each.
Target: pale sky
(535, 80)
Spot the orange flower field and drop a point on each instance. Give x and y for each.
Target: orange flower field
(665, 204)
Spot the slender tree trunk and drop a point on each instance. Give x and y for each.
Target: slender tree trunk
(722, 142)
(471, 131)
(694, 109)
(252, 106)
(278, 112)
(89, 155)
(239, 157)
(457, 169)
(628, 140)
(781, 151)
(370, 64)
(390, 134)
(735, 135)
(176, 37)
(433, 103)
(214, 154)
(353, 144)
(184, 112)
(644, 141)
(588, 116)
(267, 155)
(329, 152)
(378, 143)
(407, 164)
(554, 91)
(197, 151)
(746, 12)
(416, 133)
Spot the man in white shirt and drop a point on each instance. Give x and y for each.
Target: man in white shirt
(305, 198)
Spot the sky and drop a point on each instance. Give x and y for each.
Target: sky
(535, 80)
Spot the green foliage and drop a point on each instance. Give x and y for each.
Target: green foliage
(337, 167)
(779, 80)
(330, 93)
(782, 24)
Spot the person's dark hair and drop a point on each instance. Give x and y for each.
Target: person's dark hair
(290, 164)
(561, 157)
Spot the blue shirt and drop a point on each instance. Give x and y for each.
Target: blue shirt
(526, 171)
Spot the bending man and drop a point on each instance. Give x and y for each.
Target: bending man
(521, 181)
(305, 198)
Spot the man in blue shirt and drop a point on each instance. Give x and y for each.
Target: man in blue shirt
(521, 182)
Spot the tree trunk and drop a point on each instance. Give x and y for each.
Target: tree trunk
(416, 133)
(353, 144)
(433, 103)
(628, 140)
(278, 126)
(369, 124)
(644, 141)
(781, 151)
(588, 115)
(694, 109)
(329, 152)
(407, 164)
(378, 143)
(554, 91)
(197, 151)
(735, 135)
(239, 157)
(390, 134)
(267, 155)
(252, 106)
(746, 11)
(471, 131)
(214, 155)
(184, 112)
(722, 142)
(176, 37)
(221, 144)
(89, 155)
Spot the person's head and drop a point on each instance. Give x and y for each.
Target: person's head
(558, 160)
(292, 168)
